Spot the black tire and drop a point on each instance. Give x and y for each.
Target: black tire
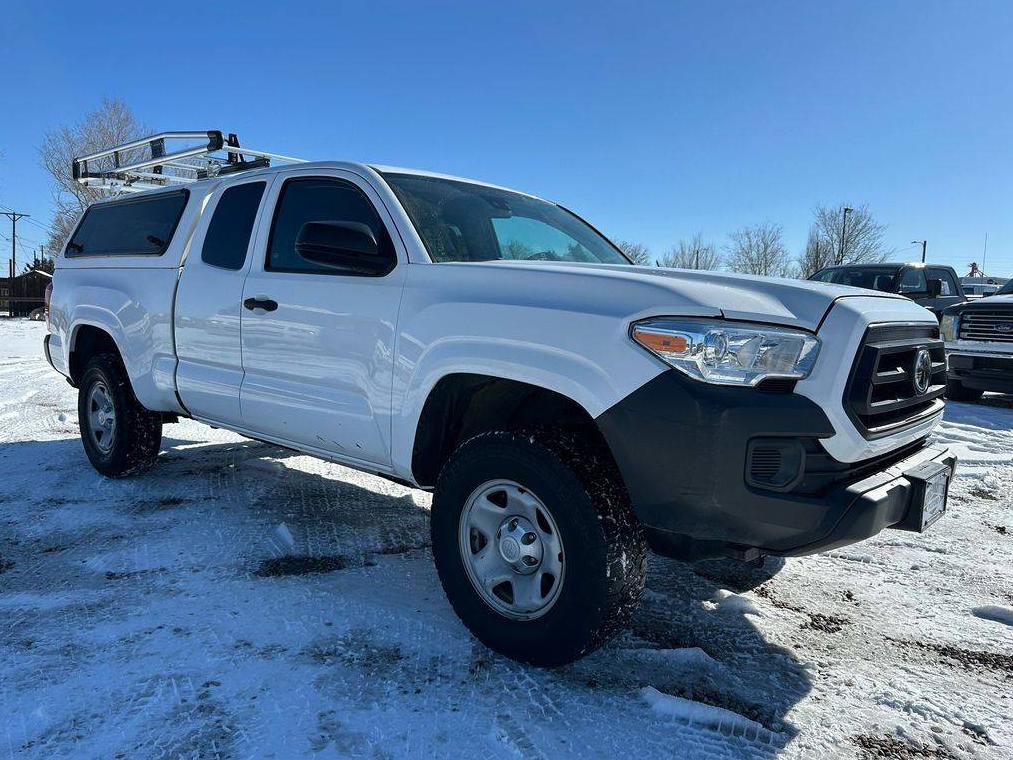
(132, 443)
(604, 545)
(957, 391)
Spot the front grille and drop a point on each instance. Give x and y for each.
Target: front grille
(987, 324)
(881, 396)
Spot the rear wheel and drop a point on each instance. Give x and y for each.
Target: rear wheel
(536, 545)
(120, 436)
(957, 391)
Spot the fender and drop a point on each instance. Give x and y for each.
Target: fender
(586, 356)
(585, 384)
(140, 325)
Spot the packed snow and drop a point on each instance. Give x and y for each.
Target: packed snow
(242, 601)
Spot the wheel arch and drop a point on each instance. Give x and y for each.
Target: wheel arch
(86, 340)
(461, 405)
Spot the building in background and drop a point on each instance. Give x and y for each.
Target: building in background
(21, 295)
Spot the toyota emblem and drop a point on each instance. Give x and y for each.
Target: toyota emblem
(922, 375)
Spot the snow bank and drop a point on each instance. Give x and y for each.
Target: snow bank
(706, 716)
(726, 601)
(1002, 615)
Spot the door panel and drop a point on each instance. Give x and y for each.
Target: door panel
(207, 317)
(318, 368)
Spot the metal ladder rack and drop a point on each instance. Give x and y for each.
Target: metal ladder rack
(145, 165)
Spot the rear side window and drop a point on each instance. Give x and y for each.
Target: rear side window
(133, 227)
(230, 229)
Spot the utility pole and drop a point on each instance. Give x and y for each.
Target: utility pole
(844, 227)
(13, 216)
(924, 244)
(984, 252)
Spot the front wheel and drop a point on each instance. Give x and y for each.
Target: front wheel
(957, 391)
(120, 436)
(536, 545)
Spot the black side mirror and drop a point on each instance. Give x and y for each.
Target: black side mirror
(346, 246)
(935, 288)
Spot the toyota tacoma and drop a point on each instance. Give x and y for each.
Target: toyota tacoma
(568, 409)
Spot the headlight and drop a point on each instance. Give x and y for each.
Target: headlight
(728, 353)
(949, 327)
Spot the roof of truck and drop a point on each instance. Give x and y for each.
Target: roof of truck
(205, 159)
(886, 265)
(362, 169)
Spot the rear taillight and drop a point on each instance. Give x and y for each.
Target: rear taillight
(49, 297)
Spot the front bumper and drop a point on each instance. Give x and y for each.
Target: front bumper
(682, 448)
(981, 371)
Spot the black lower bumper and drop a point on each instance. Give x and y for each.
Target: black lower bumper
(683, 450)
(981, 372)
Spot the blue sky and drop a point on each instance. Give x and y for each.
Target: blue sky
(653, 120)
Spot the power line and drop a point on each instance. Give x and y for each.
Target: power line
(13, 216)
(49, 230)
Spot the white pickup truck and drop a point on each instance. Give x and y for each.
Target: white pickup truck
(568, 408)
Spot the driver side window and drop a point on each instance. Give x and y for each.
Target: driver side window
(319, 199)
(521, 237)
(948, 287)
(912, 281)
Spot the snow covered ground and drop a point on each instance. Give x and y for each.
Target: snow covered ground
(240, 601)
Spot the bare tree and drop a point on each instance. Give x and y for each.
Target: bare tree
(111, 124)
(638, 252)
(859, 241)
(42, 265)
(818, 254)
(692, 254)
(759, 249)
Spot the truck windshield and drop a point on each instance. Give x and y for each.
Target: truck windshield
(462, 221)
(1007, 289)
(873, 278)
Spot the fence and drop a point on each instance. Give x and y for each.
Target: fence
(19, 296)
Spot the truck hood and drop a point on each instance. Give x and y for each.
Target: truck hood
(689, 292)
(988, 301)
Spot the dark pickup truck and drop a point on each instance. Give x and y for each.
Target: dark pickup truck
(930, 285)
(979, 346)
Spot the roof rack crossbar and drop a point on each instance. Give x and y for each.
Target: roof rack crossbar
(148, 172)
(263, 154)
(213, 137)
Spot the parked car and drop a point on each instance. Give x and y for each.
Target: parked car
(568, 408)
(979, 345)
(977, 290)
(930, 285)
